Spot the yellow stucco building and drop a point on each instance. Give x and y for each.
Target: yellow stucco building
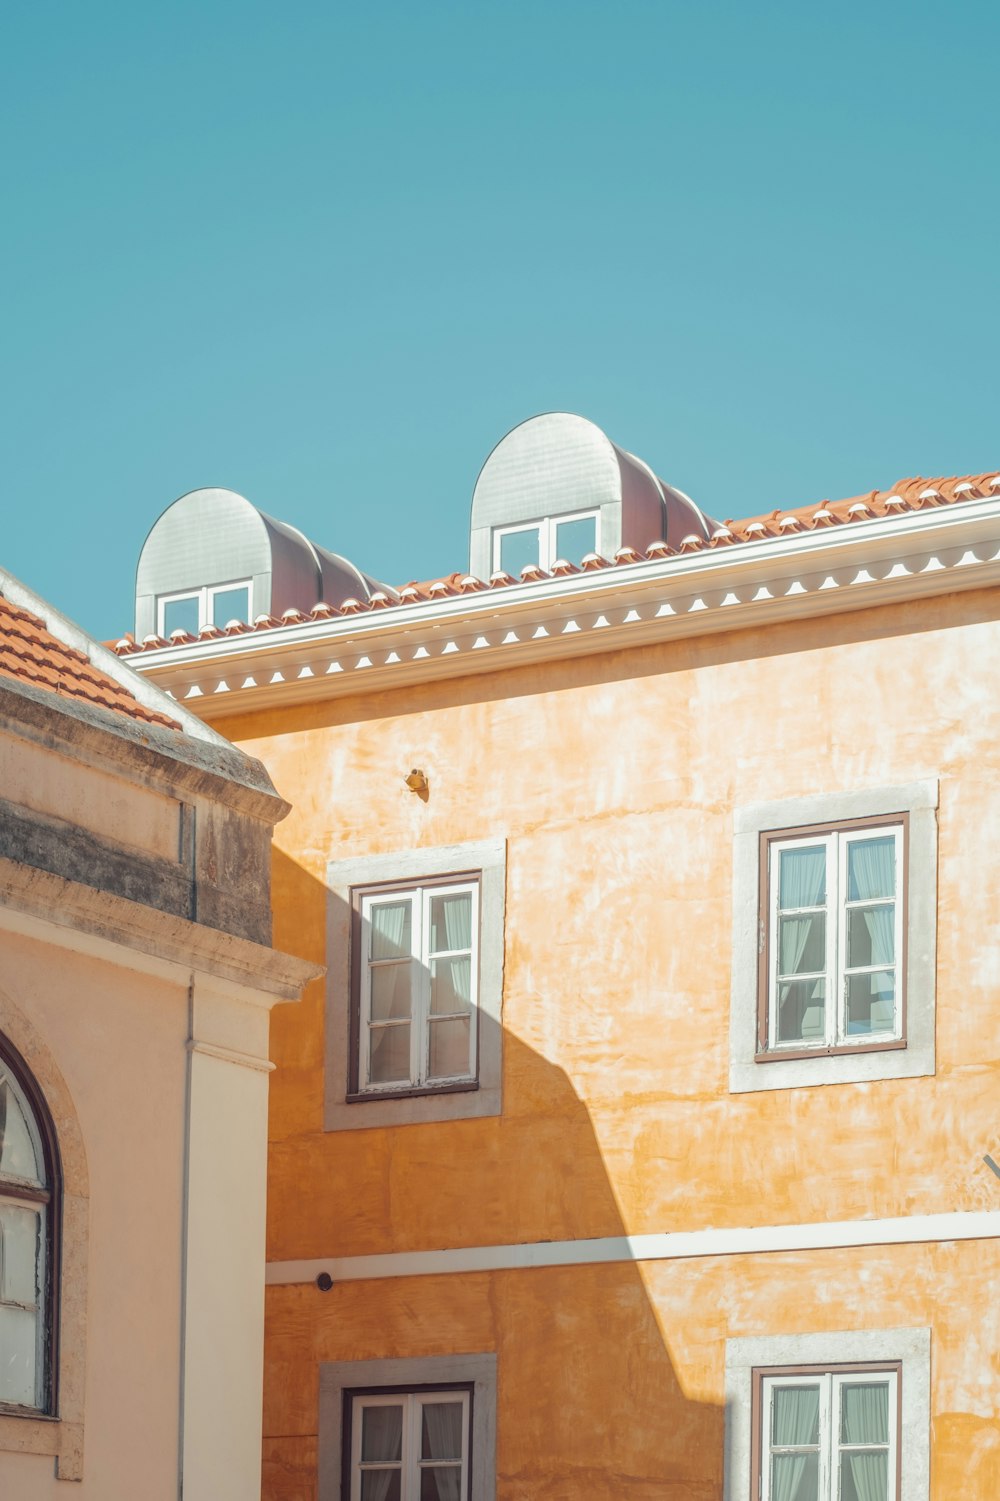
(635, 1144)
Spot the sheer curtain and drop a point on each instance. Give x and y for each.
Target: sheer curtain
(873, 875)
(803, 881)
(388, 927)
(866, 1421)
(381, 1439)
(458, 935)
(795, 1421)
(443, 1440)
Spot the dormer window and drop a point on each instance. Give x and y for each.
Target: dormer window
(213, 604)
(544, 542)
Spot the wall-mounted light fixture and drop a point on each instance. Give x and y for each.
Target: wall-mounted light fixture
(417, 782)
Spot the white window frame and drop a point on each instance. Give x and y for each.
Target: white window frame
(420, 1020)
(830, 1447)
(410, 1463)
(341, 1382)
(349, 1109)
(836, 973)
(911, 1057)
(546, 527)
(907, 1348)
(206, 599)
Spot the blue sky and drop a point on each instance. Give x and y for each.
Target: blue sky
(327, 254)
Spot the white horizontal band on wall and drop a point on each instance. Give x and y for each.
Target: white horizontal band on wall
(676, 1245)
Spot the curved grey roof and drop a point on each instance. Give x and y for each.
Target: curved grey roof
(559, 463)
(214, 536)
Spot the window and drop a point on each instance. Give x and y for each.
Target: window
(832, 920)
(838, 1416)
(416, 1429)
(827, 1435)
(834, 938)
(28, 1218)
(545, 542)
(416, 984)
(410, 1446)
(214, 604)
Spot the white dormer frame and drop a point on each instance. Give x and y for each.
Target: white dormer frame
(546, 527)
(205, 596)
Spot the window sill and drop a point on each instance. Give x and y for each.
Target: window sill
(420, 1092)
(844, 1050)
(29, 1432)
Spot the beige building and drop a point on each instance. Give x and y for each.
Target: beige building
(137, 979)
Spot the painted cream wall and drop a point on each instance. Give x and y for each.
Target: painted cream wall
(614, 780)
(119, 1040)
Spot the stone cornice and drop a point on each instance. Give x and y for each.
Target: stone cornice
(81, 916)
(844, 567)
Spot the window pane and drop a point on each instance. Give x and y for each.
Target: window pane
(871, 1002)
(451, 922)
(803, 877)
(20, 1255)
(517, 549)
(864, 1477)
(380, 1485)
(441, 1430)
(864, 1412)
(390, 1054)
(182, 615)
(802, 944)
(871, 868)
(795, 1415)
(451, 985)
(381, 1433)
(801, 1011)
(795, 1477)
(18, 1332)
(391, 929)
(17, 1148)
(574, 539)
(441, 1483)
(449, 1048)
(391, 985)
(230, 604)
(871, 935)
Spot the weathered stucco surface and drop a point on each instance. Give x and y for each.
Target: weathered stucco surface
(614, 780)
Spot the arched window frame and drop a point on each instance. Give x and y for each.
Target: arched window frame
(14, 1190)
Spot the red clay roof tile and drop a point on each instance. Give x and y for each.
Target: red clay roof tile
(30, 653)
(907, 495)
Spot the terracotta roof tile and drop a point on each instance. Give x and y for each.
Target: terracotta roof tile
(908, 495)
(30, 653)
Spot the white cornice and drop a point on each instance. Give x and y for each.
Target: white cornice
(845, 567)
(672, 1245)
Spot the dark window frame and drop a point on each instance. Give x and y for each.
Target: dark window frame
(851, 1368)
(355, 1094)
(766, 1054)
(52, 1197)
(402, 1390)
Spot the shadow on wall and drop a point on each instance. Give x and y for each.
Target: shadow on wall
(590, 1406)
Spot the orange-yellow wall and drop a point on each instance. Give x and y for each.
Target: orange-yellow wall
(614, 779)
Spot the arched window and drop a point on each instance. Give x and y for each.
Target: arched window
(29, 1182)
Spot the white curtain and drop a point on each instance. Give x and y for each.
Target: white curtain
(802, 884)
(443, 1440)
(382, 1438)
(389, 925)
(872, 874)
(795, 1421)
(865, 1420)
(458, 935)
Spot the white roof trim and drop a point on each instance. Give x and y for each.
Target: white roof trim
(839, 568)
